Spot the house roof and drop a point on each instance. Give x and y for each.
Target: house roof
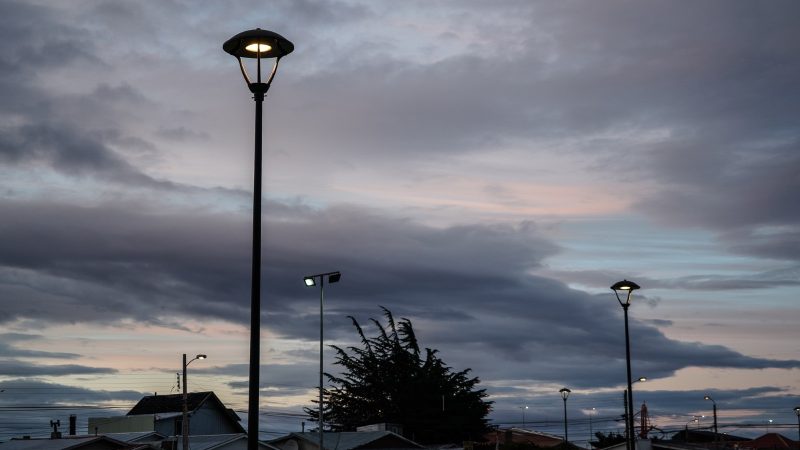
(155, 404)
(520, 435)
(170, 406)
(137, 436)
(348, 440)
(770, 441)
(66, 443)
(215, 441)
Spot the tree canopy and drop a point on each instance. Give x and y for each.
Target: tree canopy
(387, 379)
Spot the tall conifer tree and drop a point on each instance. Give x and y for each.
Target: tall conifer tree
(387, 379)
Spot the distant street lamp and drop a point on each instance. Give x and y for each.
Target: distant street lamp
(310, 280)
(592, 412)
(259, 44)
(694, 419)
(627, 288)
(564, 395)
(523, 416)
(797, 411)
(627, 412)
(708, 397)
(769, 422)
(185, 419)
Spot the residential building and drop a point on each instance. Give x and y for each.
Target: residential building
(164, 415)
(520, 436)
(347, 440)
(67, 443)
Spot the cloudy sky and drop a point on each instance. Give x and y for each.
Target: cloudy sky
(485, 169)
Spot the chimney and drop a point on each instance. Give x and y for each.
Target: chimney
(73, 424)
(55, 434)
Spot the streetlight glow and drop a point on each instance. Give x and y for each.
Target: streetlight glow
(256, 48)
(310, 281)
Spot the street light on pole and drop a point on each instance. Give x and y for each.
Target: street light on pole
(592, 412)
(185, 418)
(714, 404)
(797, 411)
(310, 280)
(627, 288)
(256, 44)
(523, 416)
(625, 398)
(564, 395)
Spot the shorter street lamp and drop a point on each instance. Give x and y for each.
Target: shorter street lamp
(185, 419)
(564, 395)
(708, 397)
(625, 399)
(310, 280)
(797, 411)
(626, 288)
(592, 412)
(694, 419)
(523, 415)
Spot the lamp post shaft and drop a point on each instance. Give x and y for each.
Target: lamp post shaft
(631, 438)
(798, 430)
(255, 288)
(716, 435)
(566, 435)
(184, 420)
(321, 323)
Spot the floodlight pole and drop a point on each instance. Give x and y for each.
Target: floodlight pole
(310, 280)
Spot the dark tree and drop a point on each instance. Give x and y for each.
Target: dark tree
(387, 379)
(607, 440)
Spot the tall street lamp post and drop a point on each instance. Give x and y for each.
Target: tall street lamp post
(256, 44)
(564, 395)
(185, 418)
(627, 288)
(592, 412)
(310, 280)
(714, 404)
(797, 411)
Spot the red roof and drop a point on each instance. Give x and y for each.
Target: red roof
(769, 441)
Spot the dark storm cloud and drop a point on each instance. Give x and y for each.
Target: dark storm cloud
(15, 368)
(153, 264)
(34, 391)
(9, 349)
(446, 280)
(72, 134)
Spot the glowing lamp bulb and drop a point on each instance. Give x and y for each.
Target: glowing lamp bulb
(256, 47)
